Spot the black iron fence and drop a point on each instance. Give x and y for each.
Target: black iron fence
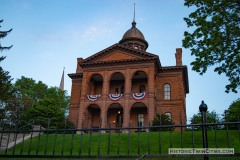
(128, 142)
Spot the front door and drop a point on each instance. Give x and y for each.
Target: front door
(140, 121)
(119, 120)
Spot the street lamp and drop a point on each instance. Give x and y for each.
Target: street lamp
(203, 109)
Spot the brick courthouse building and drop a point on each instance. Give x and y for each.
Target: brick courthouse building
(124, 85)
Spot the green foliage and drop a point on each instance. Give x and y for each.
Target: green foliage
(43, 112)
(165, 120)
(5, 80)
(211, 117)
(233, 113)
(215, 40)
(2, 35)
(29, 95)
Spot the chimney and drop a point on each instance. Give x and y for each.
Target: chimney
(178, 56)
(79, 68)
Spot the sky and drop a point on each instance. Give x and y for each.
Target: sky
(48, 35)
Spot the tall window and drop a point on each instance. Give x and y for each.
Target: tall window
(167, 90)
(169, 115)
(140, 120)
(142, 88)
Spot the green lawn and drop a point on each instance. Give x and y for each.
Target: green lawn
(90, 146)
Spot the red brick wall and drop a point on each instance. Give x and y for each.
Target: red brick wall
(176, 104)
(75, 93)
(74, 102)
(73, 114)
(155, 100)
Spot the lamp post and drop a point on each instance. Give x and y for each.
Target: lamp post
(203, 109)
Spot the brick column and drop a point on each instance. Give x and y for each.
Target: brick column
(151, 104)
(126, 115)
(105, 91)
(82, 100)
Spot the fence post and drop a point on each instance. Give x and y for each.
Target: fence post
(225, 113)
(239, 128)
(160, 143)
(203, 109)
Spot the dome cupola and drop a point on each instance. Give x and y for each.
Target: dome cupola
(134, 38)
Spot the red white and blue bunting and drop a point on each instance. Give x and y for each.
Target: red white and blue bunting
(93, 97)
(139, 96)
(115, 97)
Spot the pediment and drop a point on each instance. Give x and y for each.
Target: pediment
(118, 52)
(118, 56)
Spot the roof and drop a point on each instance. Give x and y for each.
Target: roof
(134, 34)
(140, 56)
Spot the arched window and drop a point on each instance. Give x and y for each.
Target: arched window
(116, 90)
(169, 115)
(122, 90)
(167, 91)
(142, 88)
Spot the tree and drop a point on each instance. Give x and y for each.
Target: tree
(165, 120)
(43, 112)
(215, 40)
(29, 93)
(5, 79)
(61, 98)
(47, 112)
(35, 91)
(233, 113)
(2, 35)
(211, 117)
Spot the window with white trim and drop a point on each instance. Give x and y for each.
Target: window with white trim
(167, 91)
(169, 115)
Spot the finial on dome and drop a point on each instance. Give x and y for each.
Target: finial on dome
(134, 14)
(134, 23)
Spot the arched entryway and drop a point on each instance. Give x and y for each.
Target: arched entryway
(139, 82)
(139, 115)
(117, 82)
(95, 85)
(92, 116)
(115, 115)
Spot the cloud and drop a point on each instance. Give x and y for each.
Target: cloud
(77, 34)
(94, 33)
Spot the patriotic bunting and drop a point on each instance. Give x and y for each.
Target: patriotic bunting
(138, 96)
(115, 97)
(93, 97)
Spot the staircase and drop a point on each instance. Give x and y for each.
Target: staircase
(10, 139)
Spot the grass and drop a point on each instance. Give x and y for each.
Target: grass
(90, 143)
